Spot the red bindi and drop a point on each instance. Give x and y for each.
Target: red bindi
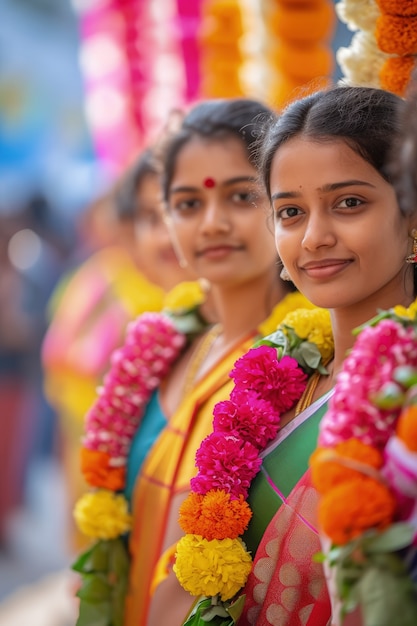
(209, 182)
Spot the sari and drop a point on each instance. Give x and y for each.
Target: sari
(166, 474)
(286, 587)
(164, 479)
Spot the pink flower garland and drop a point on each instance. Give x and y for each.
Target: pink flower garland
(152, 345)
(228, 458)
(367, 370)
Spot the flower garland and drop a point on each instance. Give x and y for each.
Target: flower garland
(211, 559)
(365, 469)
(383, 51)
(153, 343)
(221, 56)
(298, 49)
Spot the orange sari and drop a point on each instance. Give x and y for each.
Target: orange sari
(166, 473)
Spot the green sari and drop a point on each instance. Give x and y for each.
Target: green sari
(286, 586)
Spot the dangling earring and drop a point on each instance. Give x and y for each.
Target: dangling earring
(284, 274)
(412, 258)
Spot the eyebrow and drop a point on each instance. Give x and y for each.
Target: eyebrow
(325, 188)
(226, 183)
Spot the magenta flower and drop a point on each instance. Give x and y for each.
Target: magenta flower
(248, 417)
(376, 353)
(225, 462)
(152, 344)
(279, 382)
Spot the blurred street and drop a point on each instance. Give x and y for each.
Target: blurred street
(36, 584)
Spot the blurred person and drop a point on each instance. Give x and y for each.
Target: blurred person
(130, 267)
(156, 403)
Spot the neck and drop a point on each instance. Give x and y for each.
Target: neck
(242, 308)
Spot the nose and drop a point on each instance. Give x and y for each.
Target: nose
(215, 218)
(319, 232)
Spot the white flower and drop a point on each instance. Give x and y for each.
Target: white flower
(358, 14)
(361, 63)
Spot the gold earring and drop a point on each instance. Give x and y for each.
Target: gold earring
(412, 258)
(284, 274)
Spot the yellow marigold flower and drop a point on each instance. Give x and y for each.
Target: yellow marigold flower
(409, 312)
(313, 325)
(185, 296)
(289, 303)
(102, 515)
(212, 567)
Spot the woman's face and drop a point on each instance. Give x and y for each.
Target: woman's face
(218, 213)
(338, 228)
(154, 253)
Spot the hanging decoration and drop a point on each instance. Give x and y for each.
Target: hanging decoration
(298, 47)
(188, 24)
(132, 71)
(221, 56)
(384, 47)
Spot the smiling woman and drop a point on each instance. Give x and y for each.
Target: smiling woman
(345, 242)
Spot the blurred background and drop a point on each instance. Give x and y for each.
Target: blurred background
(84, 86)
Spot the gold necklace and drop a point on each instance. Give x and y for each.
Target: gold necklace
(308, 393)
(198, 357)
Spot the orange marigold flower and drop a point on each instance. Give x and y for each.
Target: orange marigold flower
(407, 427)
(396, 35)
(329, 470)
(302, 23)
(98, 472)
(302, 62)
(395, 74)
(406, 8)
(351, 508)
(214, 515)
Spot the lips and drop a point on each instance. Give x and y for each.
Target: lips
(325, 268)
(218, 251)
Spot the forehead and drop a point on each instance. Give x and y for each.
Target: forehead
(306, 161)
(219, 158)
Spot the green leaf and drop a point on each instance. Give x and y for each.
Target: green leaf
(397, 536)
(275, 339)
(94, 615)
(94, 559)
(387, 599)
(236, 608)
(94, 589)
(204, 613)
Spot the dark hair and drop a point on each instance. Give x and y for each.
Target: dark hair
(403, 163)
(212, 119)
(366, 118)
(125, 193)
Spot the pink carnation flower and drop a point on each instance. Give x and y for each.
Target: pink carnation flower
(152, 343)
(377, 352)
(279, 382)
(225, 462)
(247, 416)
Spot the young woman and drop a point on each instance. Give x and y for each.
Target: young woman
(216, 211)
(130, 269)
(344, 241)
